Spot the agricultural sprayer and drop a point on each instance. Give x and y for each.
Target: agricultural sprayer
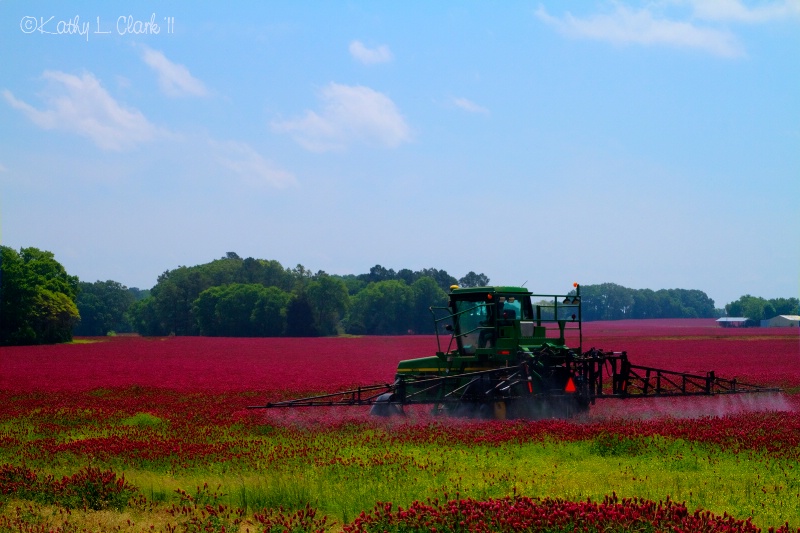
(503, 352)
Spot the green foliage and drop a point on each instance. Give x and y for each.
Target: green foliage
(253, 297)
(609, 301)
(227, 297)
(303, 520)
(89, 488)
(427, 294)
(441, 277)
(300, 317)
(146, 420)
(474, 280)
(756, 308)
(203, 512)
(241, 310)
(394, 308)
(383, 308)
(144, 318)
(614, 445)
(92, 488)
(329, 300)
(103, 306)
(343, 466)
(37, 298)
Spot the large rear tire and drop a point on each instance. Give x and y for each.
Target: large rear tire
(478, 401)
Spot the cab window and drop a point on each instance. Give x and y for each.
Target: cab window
(514, 307)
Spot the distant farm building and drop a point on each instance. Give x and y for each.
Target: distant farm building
(782, 321)
(735, 322)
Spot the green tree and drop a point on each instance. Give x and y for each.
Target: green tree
(645, 304)
(55, 314)
(383, 308)
(300, 317)
(785, 306)
(234, 310)
(329, 301)
(173, 296)
(607, 301)
(139, 294)
(474, 280)
(204, 310)
(353, 284)
(757, 308)
(241, 310)
(748, 306)
(103, 306)
(144, 319)
(270, 311)
(441, 277)
(378, 273)
(427, 294)
(407, 275)
(37, 298)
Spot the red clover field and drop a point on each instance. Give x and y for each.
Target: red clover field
(141, 434)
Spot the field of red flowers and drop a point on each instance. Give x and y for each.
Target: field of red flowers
(175, 407)
(769, 356)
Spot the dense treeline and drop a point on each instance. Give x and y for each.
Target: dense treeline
(756, 308)
(609, 301)
(237, 297)
(104, 306)
(37, 298)
(40, 303)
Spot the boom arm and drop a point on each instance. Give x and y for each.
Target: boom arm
(633, 381)
(596, 374)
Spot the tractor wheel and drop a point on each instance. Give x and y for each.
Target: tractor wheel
(547, 407)
(385, 407)
(477, 402)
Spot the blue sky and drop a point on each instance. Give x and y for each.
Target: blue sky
(650, 144)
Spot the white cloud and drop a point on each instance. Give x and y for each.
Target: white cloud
(79, 104)
(249, 165)
(368, 56)
(734, 10)
(627, 26)
(469, 105)
(174, 79)
(350, 113)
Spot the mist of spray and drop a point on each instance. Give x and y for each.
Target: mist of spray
(691, 407)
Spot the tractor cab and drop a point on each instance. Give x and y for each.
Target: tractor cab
(484, 319)
(490, 325)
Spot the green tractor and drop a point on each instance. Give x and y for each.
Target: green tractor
(505, 356)
(504, 352)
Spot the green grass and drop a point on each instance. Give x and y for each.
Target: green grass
(743, 485)
(343, 470)
(142, 420)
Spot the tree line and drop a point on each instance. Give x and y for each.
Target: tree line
(40, 303)
(609, 301)
(238, 297)
(37, 298)
(756, 308)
